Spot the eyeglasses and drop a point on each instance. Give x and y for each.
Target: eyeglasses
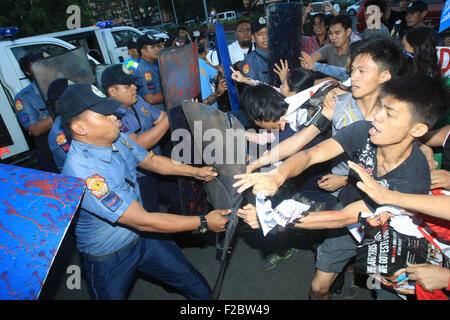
(318, 24)
(246, 30)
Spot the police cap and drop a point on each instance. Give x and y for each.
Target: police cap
(116, 74)
(80, 97)
(258, 24)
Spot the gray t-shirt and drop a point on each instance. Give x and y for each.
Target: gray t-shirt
(382, 32)
(346, 112)
(329, 53)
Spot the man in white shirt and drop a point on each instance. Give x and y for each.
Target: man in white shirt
(238, 49)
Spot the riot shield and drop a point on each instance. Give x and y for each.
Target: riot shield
(73, 65)
(222, 145)
(225, 61)
(284, 32)
(180, 75)
(180, 78)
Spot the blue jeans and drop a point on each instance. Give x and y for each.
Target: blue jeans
(110, 277)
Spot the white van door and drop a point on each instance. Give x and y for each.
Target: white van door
(117, 39)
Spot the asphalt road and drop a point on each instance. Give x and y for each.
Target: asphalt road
(245, 277)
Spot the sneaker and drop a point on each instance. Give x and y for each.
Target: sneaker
(273, 259)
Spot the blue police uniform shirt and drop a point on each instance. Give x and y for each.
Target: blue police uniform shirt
(29, 105)
(207, 73)
(147, 115)
(59, 143)
(111, 182)
(255, 66)
(149, 79)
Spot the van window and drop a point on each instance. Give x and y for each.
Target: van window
(51, 49)
(122, 37)
(87, 40)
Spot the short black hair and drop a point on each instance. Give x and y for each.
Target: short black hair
(343, 19)
(379, 3)
(322, 17)
(241, 22)
(299, 79)
(427, 97)
(384, 52)
(263, 103)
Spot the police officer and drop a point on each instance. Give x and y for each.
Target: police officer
(133, 62)
(255, 65)
(58, 139)
(112, 218)
(145, 125)
(147, 72)
(33, 115)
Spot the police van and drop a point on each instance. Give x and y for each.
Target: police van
(107, 44)
(103, 43)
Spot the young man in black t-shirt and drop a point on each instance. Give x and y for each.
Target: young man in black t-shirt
(385, 147)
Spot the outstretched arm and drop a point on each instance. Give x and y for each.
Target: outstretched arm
(436, 206)
(270, 182)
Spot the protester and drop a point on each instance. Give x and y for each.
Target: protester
(387, 151)
(375, 10)
(420, 45)
(266, 108)
(336, 52)
(183, 37)
(320, 37)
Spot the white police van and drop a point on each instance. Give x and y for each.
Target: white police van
(107, 44)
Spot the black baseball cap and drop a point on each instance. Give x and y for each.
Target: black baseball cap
(80, 97)
(116, 74)
(132, 44)
(417, 5)
(57, 88)
(147, 40)
(258, 24)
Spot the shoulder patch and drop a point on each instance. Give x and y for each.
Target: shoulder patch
(148, 76)
(61, 140)
(145, 111)
(19, 105)
(112, 201)
(97, 186)
(246, 68)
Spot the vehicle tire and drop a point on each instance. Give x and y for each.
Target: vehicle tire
(351, 12)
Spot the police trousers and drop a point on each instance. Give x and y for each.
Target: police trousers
(109, 277)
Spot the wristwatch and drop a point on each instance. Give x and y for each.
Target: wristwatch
(203, 224)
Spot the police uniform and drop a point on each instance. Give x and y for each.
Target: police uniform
(149, 80)
(59, 143)
(138, 119)
(112, 253)
(30, 108)
(255, 66)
